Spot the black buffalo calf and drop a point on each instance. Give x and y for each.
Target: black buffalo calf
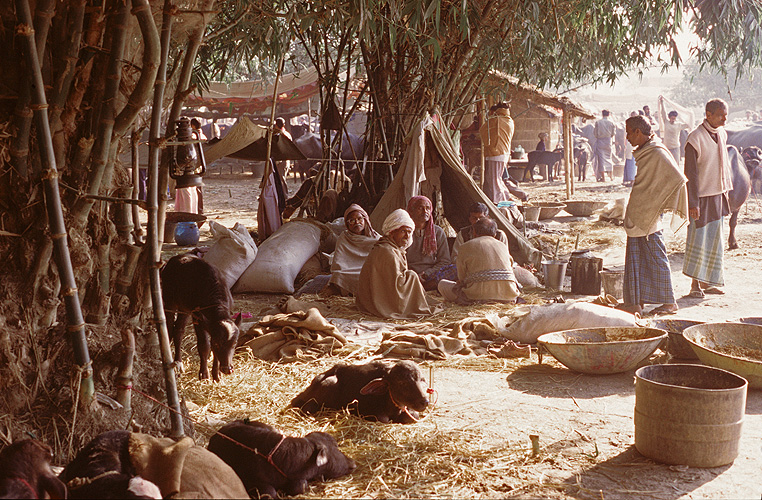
(191, 287)
(382, 390)
(25, 471)
(267, 461)
(103, 469)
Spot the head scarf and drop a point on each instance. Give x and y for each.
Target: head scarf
(397, 219)
(429, 246)
(368, 230)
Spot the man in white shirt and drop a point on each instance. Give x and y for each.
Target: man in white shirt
(671, 132)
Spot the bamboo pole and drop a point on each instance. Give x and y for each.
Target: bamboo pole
(75, 322)
(268, 166)
(102, 147)
(154, 150)
(20, 147)
(135, 212)
(568, 152)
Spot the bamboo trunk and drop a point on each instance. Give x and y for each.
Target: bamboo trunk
(135, 211)
(102, 147)
(20, 149)
(124, 375)
(154, 148)
(75, 322)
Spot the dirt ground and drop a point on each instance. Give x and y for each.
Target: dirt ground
(584, 422)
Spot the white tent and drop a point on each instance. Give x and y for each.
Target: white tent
(432, 163)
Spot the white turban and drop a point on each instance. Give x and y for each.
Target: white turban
(396, 220)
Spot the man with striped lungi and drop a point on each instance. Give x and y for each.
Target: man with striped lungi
(707, 168)
(658, 187)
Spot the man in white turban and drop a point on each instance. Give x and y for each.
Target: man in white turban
(387, 287)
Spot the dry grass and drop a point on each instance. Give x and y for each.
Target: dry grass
(432, 458)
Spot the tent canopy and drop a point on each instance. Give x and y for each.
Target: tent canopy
(430, 163)
(248, 141)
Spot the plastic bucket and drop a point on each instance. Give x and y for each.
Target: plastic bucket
(689, 414)
(613, 283)
(554, 271)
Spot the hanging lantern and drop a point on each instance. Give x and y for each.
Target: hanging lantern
(187, 164)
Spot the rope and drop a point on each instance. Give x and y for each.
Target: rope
(79, 482)
(25, 483)
(268, 457)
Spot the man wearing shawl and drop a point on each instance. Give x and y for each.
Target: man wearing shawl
(707, 168)
(352, 248)
(429, 253)
(659, 187)
(387, 287)
(485, 269)
(496, 135)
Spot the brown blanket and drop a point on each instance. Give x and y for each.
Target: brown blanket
(292, 336)
(183, 470)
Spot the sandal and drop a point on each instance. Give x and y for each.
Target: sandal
(663, 310)
(696, 294)
(714, 290)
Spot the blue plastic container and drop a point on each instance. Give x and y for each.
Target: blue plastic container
(186, 234)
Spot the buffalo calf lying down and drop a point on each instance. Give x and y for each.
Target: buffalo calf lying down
(267, 461)
(25, 471)
(191, 287)
(123, 464)
(387, 391)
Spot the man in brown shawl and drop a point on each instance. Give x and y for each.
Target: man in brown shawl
(387, 287)
(659, 186)
(429, 253)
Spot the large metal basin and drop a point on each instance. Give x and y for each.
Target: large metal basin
(583, 208)
(602, 350)
(549, 209)
(677, 346)
(736, 347)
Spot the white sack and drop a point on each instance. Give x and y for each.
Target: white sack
(525, 277)
(279, 259)
(557, 317)
(232, 250)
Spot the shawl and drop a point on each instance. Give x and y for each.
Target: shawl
(496, 133)
(368, 231)
(429, 236)
(485, 253)
(659, 186)
(387, 287)
(351, 252)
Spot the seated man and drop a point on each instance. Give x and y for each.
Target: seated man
(387, 287)
(429, 254)
(477, 211)
(352, 248)
(485, 269)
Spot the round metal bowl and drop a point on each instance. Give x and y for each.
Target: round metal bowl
(677, 346)
(549, 209)
(735, 347)
(751, 321)
(583, 208)
(602, 350)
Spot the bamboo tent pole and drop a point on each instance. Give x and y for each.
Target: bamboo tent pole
(154, 151)
(75, 322)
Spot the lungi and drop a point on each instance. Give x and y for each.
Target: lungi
(704, 243)
(494, 187)
(647, 275)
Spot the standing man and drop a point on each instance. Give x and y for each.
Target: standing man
(659, 187)
(496, 135)
(604, 133)
(707, 168)
(671, 132)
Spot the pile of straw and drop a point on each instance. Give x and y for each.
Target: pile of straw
(432, 458)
